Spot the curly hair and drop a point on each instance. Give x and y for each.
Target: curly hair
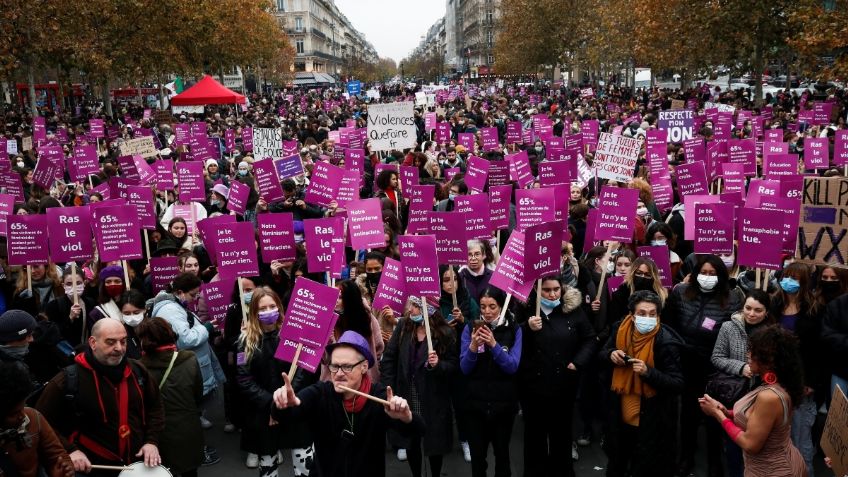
(776, 349)
(16, 386)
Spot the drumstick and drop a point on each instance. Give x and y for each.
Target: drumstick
(111, 467)
(366, 396)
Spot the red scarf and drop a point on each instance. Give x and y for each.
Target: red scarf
(358, 402)
(390, 193)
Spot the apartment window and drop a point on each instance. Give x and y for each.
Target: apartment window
(299, 45)
(491, 59)
(281, 5)
(489, 16)
(298, 24)
(490, 38)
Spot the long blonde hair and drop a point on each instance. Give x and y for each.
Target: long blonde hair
(251, 329)
(655, 275)
(50, 273)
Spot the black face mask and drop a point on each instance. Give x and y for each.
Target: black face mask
(374, 278)
(643, 283)
(829, 288)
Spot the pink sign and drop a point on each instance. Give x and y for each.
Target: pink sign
(760, 238)
(191, 183)
(519, 169)
(552, 173)
(324, 185)
(237, 200)
(141, 197)
(691, 179)
(840, 148)
(276, 236)
(365, 224)
(477, 213)
(661, 257)
(816, 153)
(46, 170)
(695, 150)
(791, 211)
(689, 205)
(391, 291)
(308, 323)
(490, 139)
(25, 239)
(616, 214)
(208, 228)
(7, 205)
(449, 228)
(267, 181)
(116, 231)
(499, 204)
(163, 270)
(235, 250)
(467, 141)
(535, 206)
(409, 176)
(247, 139)
(714, 228)
(420, 204)
(509, 271)
(734, 177)
(164, 170)
(420, 265)
(324, 244)
(476, 173)
(218, 297)
(778, 165)
(83, 163)
(542, 245)
(744, 151)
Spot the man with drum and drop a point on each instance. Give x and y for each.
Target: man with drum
(105, 407)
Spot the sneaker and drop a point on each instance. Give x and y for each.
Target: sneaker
(229, 428)
(466, 451)
(584, 440)
(210, 458)
(574, 454)
(205, 423)
(401, 455)
(252, 461)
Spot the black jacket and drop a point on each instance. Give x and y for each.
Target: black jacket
(835, 335)
(489, 389)
(59, 312)
(808, 329)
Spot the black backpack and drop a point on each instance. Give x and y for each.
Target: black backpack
(71, 388)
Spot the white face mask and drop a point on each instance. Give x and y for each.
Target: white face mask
(658, 243)
(132, 320)
(727, 260)
(611, 267)
(69, 290)
(707, 282)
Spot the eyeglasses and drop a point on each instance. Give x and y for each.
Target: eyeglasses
(345, 368)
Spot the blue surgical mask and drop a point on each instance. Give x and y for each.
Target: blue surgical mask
(658, 243)
(452, 196)
(215, 203)
(548, 303)
(790, 285)
(417, 318)
(242, 172)
(644, 324)
(247, 296)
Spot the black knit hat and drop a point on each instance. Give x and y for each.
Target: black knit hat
(15, 325)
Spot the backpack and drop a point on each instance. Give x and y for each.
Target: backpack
(71, 388)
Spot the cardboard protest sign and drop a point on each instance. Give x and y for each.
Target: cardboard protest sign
(835, 433)
(714, 228)
(392, 126)
(509, 271)
(267, 143)
(116, 231)
(476, 210)
(449, 228)
(308, 323)
(542, 245)
(365, 224)
(616, 214)
(218, 297)
(324, 240)
(235, 249)
(420, 265)
(760, 238)
(191, 183)
(824, 221)
(324, 185)
(267, 182)
(476, 174)
(679, 125)
(391, 291)
(533, 207)
(237, 200)
(276, 236)
(616, 157)
(691, 179)
(141, 146)
(163, 270)
(25, 239)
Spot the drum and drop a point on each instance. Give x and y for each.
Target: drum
(137, 469)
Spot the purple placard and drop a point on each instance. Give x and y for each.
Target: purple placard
(663, 193)
(116, 231)
(553, 173)
(420, 265)
(778, 165)
(695, 150)
(519, 169)
(128, 169)
(816, 153)
(443, 132)
(791, 211)
(498, 173)
(490, 139)
(146, 174)
(499, 205)
(689, 204)
(229, 140)
(289, 166)
(290, 147)
(83, 163)
(420, 204)
(840, 148)
(7, 205)
(190, 180)
(467, 141)
(409, 176)
(325, 244)
(657, 158)
(450, 231)
(365, 224)
(743, 151)
(237, 199)
(247, 139)
(163, 270)
(616, 214)
(46, 170)
(534, 206)
(183, 211)
(96, 127)
(770, 148)
(308, 323)
(661, 257)
(613, 282)
(734, 177)
(542, 244)
(761, 191)
(349, 188)
(218, 297)
(714, 228)
(276, 236)
(513, 132)
(325, 182)
(589, 132)
(760, 238)
(509, 271)
(691, 179)
(235, 249)
(429, 121)
(267, 181)
(477, 213)
(208, 227)
(141, 197)
(391, 291)
(25, 239)
(476, 174)
(164, 170)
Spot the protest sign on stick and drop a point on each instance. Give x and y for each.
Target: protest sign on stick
(835, 433)
(310, 318)
(392, 126)
(616, 157)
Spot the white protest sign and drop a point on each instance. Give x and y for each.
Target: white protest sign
(267, 143)
(140, 146)
(421, 98)
(187, 109)
(722, 108)
(616, 157)
(391, 126)
(372, 94)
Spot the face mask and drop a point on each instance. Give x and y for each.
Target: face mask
(69, 290)
(549, 303)
(642, 211)
(538, 148)
(417, 318)
(611, 267)
(829, 288)
(643, 283)
(247, 296)
(452, 196)
(114, 291)
(707, 282)
(374, 278)
(659, 243)
(728, 261)
(132, 320)
(20, 163)
(242, 172)
(215, 203)
(269, 317)
(645, 324)
(790, 285)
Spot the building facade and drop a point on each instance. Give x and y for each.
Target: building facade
(323, 38)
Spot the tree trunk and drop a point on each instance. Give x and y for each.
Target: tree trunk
(107, 102)
(61, 100)
(161, 92)
(31, 89)
(758, 70)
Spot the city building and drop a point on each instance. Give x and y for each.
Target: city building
(324, 39)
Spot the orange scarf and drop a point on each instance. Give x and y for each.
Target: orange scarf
(639, 346)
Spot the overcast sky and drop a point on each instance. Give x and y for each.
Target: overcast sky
(394, 27)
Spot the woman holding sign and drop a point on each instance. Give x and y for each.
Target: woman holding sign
(259, 374)
(424, 378)
(70, 317)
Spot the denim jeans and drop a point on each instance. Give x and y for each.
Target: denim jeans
(802, 431)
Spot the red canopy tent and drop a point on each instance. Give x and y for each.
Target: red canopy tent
(207, 91)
